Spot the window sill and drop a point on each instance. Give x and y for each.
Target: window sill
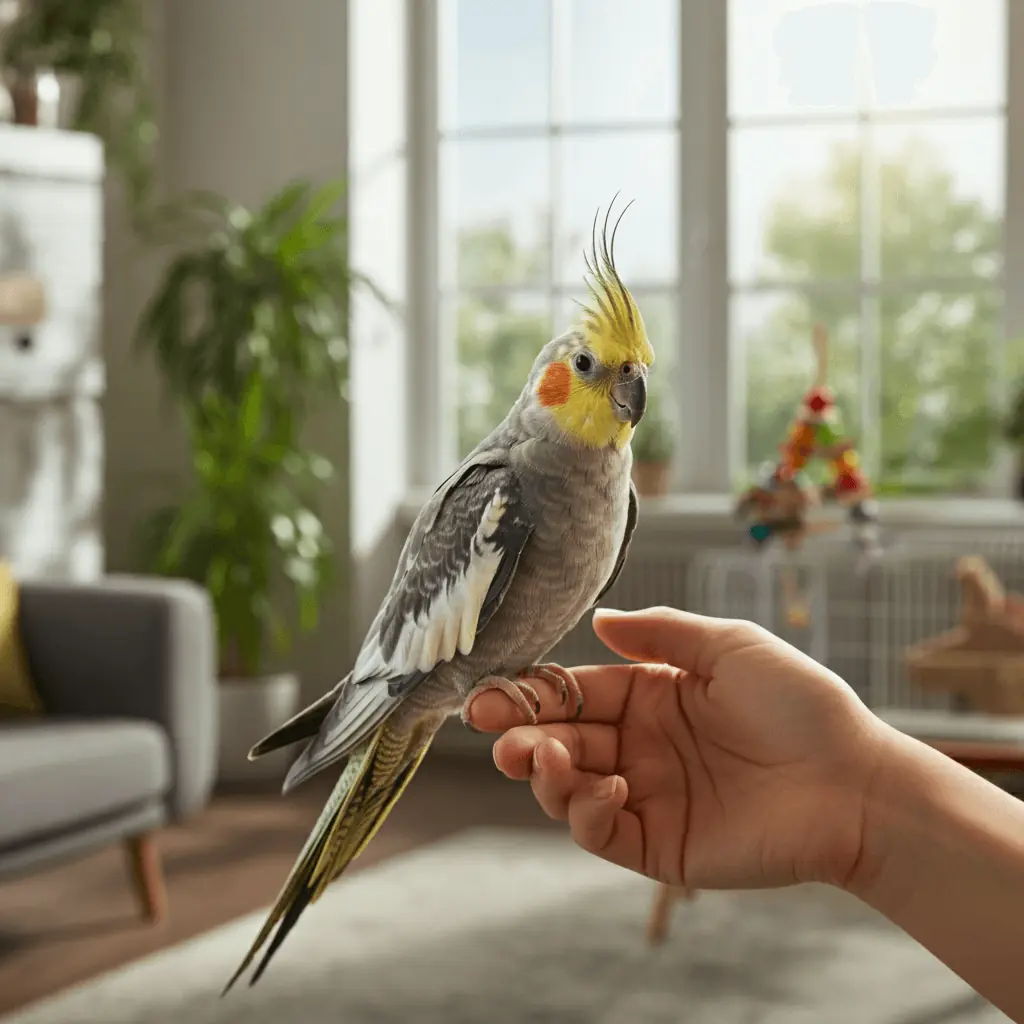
(714, 513)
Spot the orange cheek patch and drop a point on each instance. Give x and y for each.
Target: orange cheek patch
(555, 385)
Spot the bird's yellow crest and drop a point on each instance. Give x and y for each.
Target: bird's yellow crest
(612, 322)
(612, 332)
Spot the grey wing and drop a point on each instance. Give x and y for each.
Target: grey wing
(631, 519)
(457, 565)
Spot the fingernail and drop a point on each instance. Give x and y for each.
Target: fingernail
(609, 613)
(605, 789)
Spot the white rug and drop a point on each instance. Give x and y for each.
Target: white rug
(508, 928)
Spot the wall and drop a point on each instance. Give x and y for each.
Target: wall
(253, 94)
(145, 456)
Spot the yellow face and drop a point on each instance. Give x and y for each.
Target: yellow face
(597, 393)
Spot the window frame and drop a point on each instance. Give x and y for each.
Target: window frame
(708, 367)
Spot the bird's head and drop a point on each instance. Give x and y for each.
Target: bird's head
(590, 384)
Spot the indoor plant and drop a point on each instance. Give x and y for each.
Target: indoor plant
(249, 324)
(654, 444)
(97, 51)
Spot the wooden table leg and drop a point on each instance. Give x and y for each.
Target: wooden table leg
(661, 912)
(148, 875)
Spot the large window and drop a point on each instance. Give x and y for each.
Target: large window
(548, 108)
(866, 192)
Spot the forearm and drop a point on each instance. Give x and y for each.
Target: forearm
(944, 860)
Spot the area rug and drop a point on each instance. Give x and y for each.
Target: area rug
(511, 927)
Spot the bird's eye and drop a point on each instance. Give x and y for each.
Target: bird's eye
(583, 362)
(627, 369)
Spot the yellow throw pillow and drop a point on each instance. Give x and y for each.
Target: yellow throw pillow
(18, 695)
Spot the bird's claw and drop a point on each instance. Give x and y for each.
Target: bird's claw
(563, 678)
(516, 690)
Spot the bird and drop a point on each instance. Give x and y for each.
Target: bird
(525, 537)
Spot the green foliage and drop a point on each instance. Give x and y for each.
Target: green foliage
(1013, 428)
(102, 43)
(655, 436)
(248, 325)
(938, 424)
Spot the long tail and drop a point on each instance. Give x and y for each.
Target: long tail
(374, 778)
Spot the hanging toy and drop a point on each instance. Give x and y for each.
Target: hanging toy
(777, 507)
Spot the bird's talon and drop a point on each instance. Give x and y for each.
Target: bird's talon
(565, 680)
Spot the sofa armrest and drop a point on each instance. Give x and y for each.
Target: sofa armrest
(136, 647)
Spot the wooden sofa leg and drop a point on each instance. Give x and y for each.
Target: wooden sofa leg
(148, 875)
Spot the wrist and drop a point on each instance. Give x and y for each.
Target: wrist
(893, 804)
(922, 812)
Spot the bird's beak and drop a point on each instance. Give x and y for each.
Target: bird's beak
(629, 398)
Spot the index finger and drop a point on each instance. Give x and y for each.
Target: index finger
(606, 690)
(694, 643)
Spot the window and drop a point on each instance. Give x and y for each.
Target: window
(547, 109)
(790, 162)
(866, 192)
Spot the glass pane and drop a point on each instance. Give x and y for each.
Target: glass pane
(495, 210)
(786, 57)
(794, 204)
(942, 197)
(640, 166)
(494, 60)
(773, 333)
(622, 61)
(497, 340)
(936, 53)
(937, 390)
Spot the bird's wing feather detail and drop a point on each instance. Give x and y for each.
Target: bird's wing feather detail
(457, 566)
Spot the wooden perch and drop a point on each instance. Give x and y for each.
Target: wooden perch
(982, 593)
(981, 659)
(819, 339)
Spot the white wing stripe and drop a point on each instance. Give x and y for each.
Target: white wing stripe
(450, 621)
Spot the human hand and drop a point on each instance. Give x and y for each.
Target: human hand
(727, 759)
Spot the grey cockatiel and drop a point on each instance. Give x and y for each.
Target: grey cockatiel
(507, 556)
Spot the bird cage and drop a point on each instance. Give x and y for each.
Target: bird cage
(862, 619)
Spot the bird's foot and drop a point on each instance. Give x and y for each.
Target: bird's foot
(562, 678)
(523, 695)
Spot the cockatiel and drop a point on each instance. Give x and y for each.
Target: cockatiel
(508, 555)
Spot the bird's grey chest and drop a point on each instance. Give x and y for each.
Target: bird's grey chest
(581, 513)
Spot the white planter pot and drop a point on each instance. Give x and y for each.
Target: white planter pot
(249, 710)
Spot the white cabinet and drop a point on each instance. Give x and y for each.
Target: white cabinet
(51, 371)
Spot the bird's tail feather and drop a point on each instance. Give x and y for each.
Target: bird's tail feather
(374, 778)
(302, 726)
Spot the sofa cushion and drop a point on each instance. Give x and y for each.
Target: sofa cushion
(18, 695)
(58, 774)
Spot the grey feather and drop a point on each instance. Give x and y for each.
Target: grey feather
(446, 546)
(631, 519)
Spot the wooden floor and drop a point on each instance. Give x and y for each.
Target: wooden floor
(62, 926)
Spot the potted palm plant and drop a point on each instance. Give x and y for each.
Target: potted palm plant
(248, 325)
(95, 51)
(654, 444)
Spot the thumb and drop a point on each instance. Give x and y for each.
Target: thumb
(694, 643)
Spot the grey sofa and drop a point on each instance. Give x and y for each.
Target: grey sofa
(127, 670)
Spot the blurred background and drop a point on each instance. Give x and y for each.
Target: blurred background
(269, 270)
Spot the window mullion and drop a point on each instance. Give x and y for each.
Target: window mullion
(869, 443)
(711, 431)
(557, 63)
(431, 442)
